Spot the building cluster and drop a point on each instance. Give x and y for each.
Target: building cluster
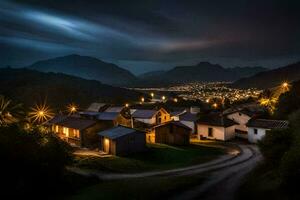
(120, 130)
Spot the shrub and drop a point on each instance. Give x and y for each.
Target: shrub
(32, 160)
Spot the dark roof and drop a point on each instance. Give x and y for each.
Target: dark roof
(188, 117)
(243, 111)
(117, 132)
(117, 109)
(96, 107)
(76, 123)
(56, 119)
(90, 113)
(267, 123)
(144, 114)
(108, 115)
(176, 123)
(216, 120)
(176, 113)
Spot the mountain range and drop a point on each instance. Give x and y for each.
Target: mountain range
(108, 73)
(31, 86)
(204, 71)
(271, 78)
(86, 67)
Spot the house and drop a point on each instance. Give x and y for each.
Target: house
(172, 132)
(75, 130)
(122, 140)
(97, 107)
(114, 118)
(257, 128)
(152, 117)
(189, 119)
(241, 117)
(216, 127)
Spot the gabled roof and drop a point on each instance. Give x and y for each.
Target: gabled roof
(144, 114)
(176, 123)
(108, 115)
(95, 107)
(117, 132)
(114, 109)
(76, 123)
(188, 117)
(267, 123)
(216, 120)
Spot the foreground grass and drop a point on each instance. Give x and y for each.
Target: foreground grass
(158, 157)
(141, 188)
(264, 183)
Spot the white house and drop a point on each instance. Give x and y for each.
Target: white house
(257, 128)
(241, 117)
(216, 127)
(151, 117)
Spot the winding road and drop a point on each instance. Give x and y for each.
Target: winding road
(225, 174)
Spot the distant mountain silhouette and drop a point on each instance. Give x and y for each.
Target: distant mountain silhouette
(86, 67)
(204, 71)
(30, 86)
(271, 78)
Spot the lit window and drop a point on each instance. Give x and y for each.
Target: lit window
(56, 129)
(66, 131)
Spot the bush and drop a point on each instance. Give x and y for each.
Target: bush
(274, 145)
(32, 160)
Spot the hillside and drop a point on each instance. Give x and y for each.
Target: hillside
(86, 67)
(204, 71)
(30, 87)
(271, 78)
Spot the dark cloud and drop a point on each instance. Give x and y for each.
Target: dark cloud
(147, 35)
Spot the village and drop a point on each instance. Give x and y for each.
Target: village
(122, 130)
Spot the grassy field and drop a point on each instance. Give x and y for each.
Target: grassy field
(158, 157)
(141, 188)
(263, 183)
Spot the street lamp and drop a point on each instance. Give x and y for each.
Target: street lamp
(163, 98)
(152, 94)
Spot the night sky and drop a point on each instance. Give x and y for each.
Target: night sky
(149, 35)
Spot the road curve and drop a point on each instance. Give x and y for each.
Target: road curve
(234, 158)
(225, 179)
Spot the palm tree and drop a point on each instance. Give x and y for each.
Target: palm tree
(9, 113)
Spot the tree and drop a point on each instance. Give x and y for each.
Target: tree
(9, 113)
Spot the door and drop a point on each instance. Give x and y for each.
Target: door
(106, 145)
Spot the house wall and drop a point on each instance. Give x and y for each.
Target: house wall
(89, 136)
(241, 119)
(218, 132)
(178, 136)
(150, 136)
(254, 138)
(131, 143)
(163, 115)
(121, 120)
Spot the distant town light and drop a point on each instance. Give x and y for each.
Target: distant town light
(175, 100)
(285, 84)
(207, 100)
(152, 94)
(215, 105)
(126, 105)
(142, 99)
(163, 97)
